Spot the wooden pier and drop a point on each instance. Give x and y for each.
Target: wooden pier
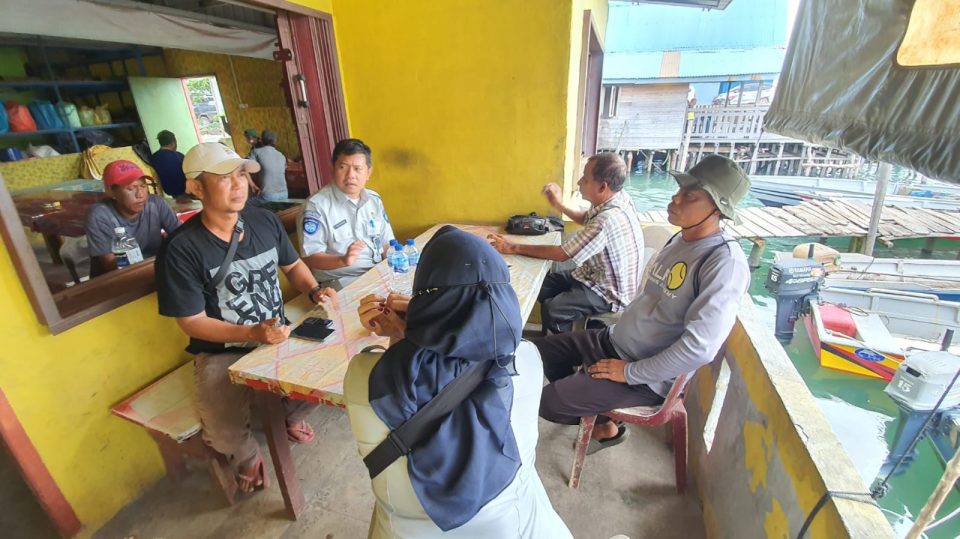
(823, 219)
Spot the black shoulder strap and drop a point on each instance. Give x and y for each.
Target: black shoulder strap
(211, 286)
(696, 274)
(402, 439)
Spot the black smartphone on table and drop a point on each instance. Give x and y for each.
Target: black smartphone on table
(313, 329)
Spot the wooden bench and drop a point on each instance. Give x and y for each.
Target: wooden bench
(167, 411)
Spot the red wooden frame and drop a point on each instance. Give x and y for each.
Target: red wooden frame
(592, 57)
(312, 73)
(35, 473)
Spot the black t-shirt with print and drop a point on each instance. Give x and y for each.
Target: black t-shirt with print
(250, 293)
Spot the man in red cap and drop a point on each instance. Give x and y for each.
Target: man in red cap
(131, 207)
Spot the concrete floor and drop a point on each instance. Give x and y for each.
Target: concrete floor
(627, 489)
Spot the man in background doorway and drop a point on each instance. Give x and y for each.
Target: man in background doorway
(253, 139)
(273, 168)
(168, 163)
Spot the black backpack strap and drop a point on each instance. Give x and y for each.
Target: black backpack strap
(696, 274)
(211, 285)
(402, 439)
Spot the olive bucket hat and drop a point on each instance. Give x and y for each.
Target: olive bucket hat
(721, 178)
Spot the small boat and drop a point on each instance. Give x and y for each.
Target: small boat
(861, 272)
(868, 332)
(780, 191)
(899, 201)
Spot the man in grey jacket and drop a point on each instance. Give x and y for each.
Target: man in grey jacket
(677, 323)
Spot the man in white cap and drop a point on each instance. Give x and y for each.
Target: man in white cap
(677, 323)
(218, 276)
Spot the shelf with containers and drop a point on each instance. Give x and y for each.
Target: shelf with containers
(73, 81)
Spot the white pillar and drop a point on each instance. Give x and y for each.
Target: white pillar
(882, 180)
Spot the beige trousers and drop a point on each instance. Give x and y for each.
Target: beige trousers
(225, 408)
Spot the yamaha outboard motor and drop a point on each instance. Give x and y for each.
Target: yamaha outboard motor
(918, 386)
(793, 282)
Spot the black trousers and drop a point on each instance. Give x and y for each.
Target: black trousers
(563, 300)
(573, 394)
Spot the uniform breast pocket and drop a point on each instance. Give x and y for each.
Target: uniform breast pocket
(341, 238)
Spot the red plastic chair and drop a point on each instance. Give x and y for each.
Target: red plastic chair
(671, 413)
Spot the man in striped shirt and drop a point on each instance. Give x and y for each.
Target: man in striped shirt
(608, 250)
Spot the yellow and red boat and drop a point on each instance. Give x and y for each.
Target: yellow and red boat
(870, 332)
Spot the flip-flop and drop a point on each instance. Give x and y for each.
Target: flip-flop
(597, 445)
(259, 473)
(304, 429)
(618, 423)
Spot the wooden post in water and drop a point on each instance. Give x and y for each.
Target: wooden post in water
(882, 180)
(629, 160)
(685, 147)
(650, 162)
(753, 158)
(944, 487)
(776, 168)
(927, 250)
(756, 252)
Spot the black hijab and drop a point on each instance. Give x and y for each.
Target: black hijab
(463, 311)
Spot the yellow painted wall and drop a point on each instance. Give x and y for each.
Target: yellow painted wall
(321, 5)
(464, 103)
(62, 388)
(575, 83)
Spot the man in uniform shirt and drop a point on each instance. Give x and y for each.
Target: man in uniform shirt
(677, 323)
(344, 228)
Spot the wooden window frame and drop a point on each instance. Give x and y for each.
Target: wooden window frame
(71, 307)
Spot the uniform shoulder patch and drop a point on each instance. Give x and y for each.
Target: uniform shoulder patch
(310, 225)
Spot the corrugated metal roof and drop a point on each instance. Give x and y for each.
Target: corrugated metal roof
(745, 24)
(717, 64)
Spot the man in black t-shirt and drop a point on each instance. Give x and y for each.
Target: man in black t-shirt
(225, 319)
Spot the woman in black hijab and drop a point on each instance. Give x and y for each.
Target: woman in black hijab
(474, 475)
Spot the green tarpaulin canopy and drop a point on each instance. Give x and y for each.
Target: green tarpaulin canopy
(844, 86)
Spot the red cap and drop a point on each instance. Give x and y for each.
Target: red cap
(122, 173)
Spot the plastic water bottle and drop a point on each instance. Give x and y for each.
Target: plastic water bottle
(413, 255)
(389, 253)
(126, 250)
(401, 281)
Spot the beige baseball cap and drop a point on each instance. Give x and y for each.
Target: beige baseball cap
(214, 158)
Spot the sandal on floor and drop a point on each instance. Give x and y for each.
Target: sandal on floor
(300, 433)
(259, 474)
(597, 445)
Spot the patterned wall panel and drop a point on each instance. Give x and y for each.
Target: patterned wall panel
(36, 172)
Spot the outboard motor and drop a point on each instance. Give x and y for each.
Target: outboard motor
(916, 387)
(793, 282)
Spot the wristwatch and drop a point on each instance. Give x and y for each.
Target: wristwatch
(312, 292)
